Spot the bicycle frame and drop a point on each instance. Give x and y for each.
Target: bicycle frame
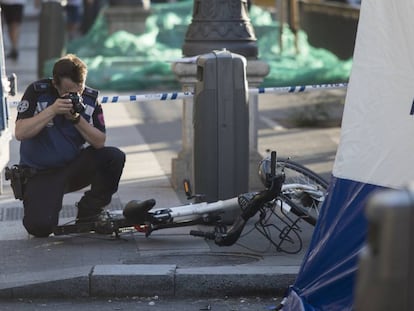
(180, 216)
(199, 209)
(145, 217)
(196, 209)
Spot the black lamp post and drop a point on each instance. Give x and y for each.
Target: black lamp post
(220, 24)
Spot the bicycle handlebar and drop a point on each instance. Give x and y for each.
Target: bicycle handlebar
(249, 206)
(203, 234)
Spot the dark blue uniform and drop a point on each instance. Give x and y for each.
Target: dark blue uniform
(64, 162)
(59, 142)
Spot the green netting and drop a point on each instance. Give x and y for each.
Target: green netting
(127, 62)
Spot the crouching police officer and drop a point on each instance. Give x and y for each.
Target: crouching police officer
(60, 125)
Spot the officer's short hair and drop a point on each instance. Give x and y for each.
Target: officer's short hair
(70, 66)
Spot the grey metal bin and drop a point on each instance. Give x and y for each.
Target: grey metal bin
(221, 126)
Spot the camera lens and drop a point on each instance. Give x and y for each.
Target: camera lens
(77, 102)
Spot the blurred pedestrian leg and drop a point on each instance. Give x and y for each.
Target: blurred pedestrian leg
(91, 9)
(74, 13)
(12, 13)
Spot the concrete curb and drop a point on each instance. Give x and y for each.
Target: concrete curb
(234, 281)
(150, 280)
(65, 283)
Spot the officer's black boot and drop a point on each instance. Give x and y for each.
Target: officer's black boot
(87, 213)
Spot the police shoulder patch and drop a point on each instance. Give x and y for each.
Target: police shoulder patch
(41, 86)
(23, 106)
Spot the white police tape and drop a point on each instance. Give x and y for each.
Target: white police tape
(183, 95)
(297, 89)
(146, 97)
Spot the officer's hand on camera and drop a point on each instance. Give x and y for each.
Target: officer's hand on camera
(63, 106)
(70, 105)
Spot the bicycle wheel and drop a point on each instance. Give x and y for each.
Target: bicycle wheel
(303, 190)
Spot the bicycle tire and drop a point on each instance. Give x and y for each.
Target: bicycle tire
(73, 228)
(110, 225)
(300, 201)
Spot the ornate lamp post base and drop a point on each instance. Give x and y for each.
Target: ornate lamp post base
(218, 25)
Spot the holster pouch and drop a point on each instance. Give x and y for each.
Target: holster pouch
(18, 177)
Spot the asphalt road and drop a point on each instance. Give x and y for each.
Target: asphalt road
(144, 304)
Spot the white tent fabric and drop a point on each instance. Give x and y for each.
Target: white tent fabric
(375, 151)
(376, 145)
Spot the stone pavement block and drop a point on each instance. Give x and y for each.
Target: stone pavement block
(6, 293)
(66, 288)
(62, 283)
(132, 280)
(234, 281)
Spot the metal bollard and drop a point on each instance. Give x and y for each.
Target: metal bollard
(221, 126)
(52, 33)
(386, 265)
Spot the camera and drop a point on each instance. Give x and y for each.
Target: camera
(77, 102)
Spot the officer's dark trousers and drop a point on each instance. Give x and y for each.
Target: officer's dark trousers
(43, 194)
